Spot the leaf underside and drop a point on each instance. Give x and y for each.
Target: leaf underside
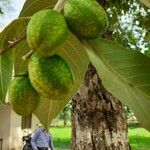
(146, 2)
(76, 57)
(125, 73)
(12, 32)
(32, 6)
(72, 51)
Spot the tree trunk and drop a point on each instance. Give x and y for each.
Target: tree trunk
(65, 121)
(98, 119)
(65, 116)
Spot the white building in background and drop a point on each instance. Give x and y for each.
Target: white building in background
(13, 127)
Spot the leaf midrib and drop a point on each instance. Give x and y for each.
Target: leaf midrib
(117, 75)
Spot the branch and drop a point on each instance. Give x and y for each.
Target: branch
(21, 74)
(59, 5)
(12, 43)
(27, 55)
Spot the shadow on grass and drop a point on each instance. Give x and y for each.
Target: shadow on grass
(134, 126)
(138, 141)
(61, 143)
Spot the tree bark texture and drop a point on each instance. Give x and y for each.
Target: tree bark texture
(98, 121)
(64, 111)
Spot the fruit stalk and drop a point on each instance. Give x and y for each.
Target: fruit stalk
(59, 5)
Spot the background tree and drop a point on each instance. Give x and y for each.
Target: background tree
(65, 114)
(6, 9)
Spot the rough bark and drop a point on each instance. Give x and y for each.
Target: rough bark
(98, 119)
(65, 116)
(65, 121)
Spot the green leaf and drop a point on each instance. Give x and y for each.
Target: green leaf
(125, 73)
(21, 49)
(48, 109)
(6, 66)
(77, 59)
(8, 39)
(146, 2)
(32, 6)
(21, 65)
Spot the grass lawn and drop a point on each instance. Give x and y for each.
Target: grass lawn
(61, 137)
(139, 137)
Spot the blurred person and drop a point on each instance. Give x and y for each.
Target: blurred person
(41, 139)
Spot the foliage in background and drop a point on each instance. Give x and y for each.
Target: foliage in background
(128, 112)
(66, 112)
(129, 23)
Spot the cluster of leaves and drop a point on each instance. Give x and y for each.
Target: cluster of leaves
(124, 72)
(129, 23)
(128, 112)
(66, 112)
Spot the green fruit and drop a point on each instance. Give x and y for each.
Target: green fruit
(50, 76)
(86, 18)
(24, 99)
(46, 30)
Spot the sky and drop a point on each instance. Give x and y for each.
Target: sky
(11, 10)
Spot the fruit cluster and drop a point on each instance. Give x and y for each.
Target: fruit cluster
(49, 75)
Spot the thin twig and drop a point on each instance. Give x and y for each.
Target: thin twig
(21, 74)
(12, 43)
(27, 55)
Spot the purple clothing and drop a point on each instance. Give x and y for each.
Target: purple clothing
(41, 139)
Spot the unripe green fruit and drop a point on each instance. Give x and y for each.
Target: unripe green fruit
(50, 76)
(86, 18)
(46, 30)
(24, 99)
